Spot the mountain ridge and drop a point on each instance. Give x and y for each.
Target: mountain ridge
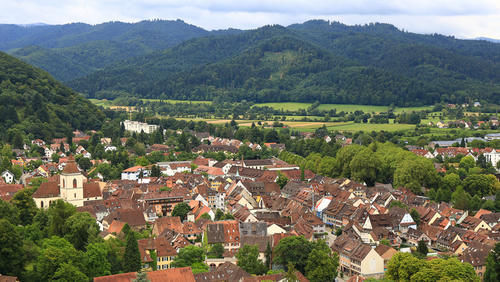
(34, 104)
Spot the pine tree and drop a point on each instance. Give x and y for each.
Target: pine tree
(422, 248)
(131, 257)
(269, 253)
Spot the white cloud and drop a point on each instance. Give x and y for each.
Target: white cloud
(463, 18)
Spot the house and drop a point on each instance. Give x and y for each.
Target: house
(133, 217)
(7, 191)
(225, 232)
(8, 177)
(262, 242)
(257, 164)
(184, 274)
(134, 173)
(225, 166)
(169, 222)
(423, 153)
(493, 157)
(210, 171)
(413, 236)
(204, 148)
(356, 258)
(474, 224)
(164, 202)
(165, 253)
(226, 271)
(171, 168)
(253, 229)
(386, 252)
(492, 219)
(476, 255)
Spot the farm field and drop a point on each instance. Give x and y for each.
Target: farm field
(103, 103)
(310, 126)
(368, 127)
(176, 101)
(291, 106)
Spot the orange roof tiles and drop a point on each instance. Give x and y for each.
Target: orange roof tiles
(71, 166)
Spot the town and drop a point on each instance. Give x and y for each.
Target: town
(194, 206)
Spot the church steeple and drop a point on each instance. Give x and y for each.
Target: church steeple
(71, 183)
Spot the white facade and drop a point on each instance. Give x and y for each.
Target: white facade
(135, 126)
(493, 157)
(134, 175)
(171, 168)
(8, 177)
(220, 201)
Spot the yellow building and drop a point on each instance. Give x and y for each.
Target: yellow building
(165, 253)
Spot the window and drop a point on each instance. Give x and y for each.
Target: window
(74, 195)
(41, 204)
(74, 183)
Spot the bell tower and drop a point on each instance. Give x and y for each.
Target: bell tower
(71, 183)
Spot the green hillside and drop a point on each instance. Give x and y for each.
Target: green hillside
(315, 61)
(75, 50)
(34, 105)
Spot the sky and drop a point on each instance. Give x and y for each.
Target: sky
(461, 18)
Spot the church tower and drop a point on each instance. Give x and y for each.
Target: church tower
(71, 183)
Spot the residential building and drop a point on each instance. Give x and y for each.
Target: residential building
(356, 258)
(138, 127)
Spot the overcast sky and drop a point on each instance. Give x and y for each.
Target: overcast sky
(462, 18)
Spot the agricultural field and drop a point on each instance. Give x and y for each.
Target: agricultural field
(368, 127)
(310, 126)
(102, 103)
(291, 106)
(176, 101)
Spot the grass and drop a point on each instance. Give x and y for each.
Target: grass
(368, 127)
(176, 101)
(292, 106)
(104, 103)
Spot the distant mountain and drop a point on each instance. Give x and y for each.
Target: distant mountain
(314, 61)
(74, 50)
(32, 24)
(488, 39)
(34, 104)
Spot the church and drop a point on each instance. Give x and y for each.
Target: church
(71, 187)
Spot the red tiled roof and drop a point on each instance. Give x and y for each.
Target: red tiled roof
(171, 222)
(133, 169)
(71, 166)
(47, 190)
(91, 190)
(8, 190)
(116, 226)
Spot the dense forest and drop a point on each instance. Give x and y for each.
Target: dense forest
(74, 50)
(317, 60)
(33, 103)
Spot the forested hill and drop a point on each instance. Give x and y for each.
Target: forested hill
(314, 61)
(34, 105)
(74, 50)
